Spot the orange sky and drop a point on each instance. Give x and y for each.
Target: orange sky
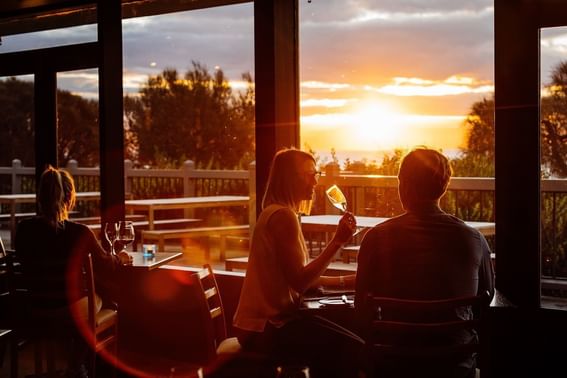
(403, 112)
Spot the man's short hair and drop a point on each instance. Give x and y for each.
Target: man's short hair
(424, 173)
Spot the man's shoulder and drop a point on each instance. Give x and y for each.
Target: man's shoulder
(390, 223)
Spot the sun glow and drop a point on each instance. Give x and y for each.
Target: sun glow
(377, 126)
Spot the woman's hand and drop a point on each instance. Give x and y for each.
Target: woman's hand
(125, 258)
(345, 229)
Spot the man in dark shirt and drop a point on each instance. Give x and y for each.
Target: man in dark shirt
(424, 253)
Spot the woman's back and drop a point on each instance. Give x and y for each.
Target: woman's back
(52, 259)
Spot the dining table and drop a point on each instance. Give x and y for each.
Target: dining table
(151, 205)
(337, 307)
(142, 261)
(318, 227)
(328, 223)
(12, 200)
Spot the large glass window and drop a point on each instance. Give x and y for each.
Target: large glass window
(78, 139)
(49, 38)
(189, 120)
(17, 155)
(553, 122)
(380, 77)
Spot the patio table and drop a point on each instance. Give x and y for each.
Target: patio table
(140, 261)
(325, 224)
(150, 206)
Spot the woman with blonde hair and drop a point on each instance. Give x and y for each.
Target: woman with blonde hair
(279, 272)
(52, 250)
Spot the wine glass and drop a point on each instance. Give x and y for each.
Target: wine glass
(111, 234)
(338, 200)
(292, 371)
(125, 233)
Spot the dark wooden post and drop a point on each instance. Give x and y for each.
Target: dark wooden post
(277, 83)
(110, 93)
(45, 120)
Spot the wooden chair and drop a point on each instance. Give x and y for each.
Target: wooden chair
(215, 327)
(7, 336)
(102, 328)
(227, 357)
(407, 338)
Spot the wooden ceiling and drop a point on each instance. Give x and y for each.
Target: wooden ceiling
(24, 16)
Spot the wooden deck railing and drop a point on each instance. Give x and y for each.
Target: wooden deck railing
(470, 198)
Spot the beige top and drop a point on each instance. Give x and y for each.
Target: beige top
(266, 295)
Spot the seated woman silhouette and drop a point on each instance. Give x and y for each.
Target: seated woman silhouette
(52, 250)
(279, 272)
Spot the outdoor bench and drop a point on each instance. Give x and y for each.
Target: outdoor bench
(160, 236)
(349, 252)
(19, 216)
(96, 220)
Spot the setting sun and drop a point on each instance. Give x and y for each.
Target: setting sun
(377, 126)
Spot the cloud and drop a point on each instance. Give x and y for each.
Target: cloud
(219, 36)
(553, 50)
(325, 102)
(453, 85)
(409, 38)
(323, 85)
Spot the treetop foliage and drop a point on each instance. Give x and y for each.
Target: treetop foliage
(195, 117)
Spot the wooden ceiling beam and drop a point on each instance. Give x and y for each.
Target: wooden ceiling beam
(17, 17)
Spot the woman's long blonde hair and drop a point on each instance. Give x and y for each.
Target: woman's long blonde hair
(56, 195)
(284, 178)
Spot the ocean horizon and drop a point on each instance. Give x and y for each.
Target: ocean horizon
(377, 156)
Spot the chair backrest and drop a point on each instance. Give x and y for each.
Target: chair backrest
(91, 293)
(213, 309)
(422, 334)
(2, 249)
(4, 282)
(99, 321)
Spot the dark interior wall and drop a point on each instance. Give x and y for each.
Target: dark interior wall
(525, 343)
(524, 339)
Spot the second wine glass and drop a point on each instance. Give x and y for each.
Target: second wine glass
(111, 234)
(125, 233)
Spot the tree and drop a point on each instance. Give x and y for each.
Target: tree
(77, 122)
(480, 125)
(16, 123)
(78, 129)
(479, 144)
(197, 117)
(554, 122)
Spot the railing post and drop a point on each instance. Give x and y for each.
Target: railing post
(359, 205)
(128, 174)
(188, 184)
(332, 170)
(252, 194)
(16, 177)
(72, 167)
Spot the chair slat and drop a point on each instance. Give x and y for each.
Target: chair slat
(210, 293)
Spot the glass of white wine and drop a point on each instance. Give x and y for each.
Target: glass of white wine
(338, 200)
